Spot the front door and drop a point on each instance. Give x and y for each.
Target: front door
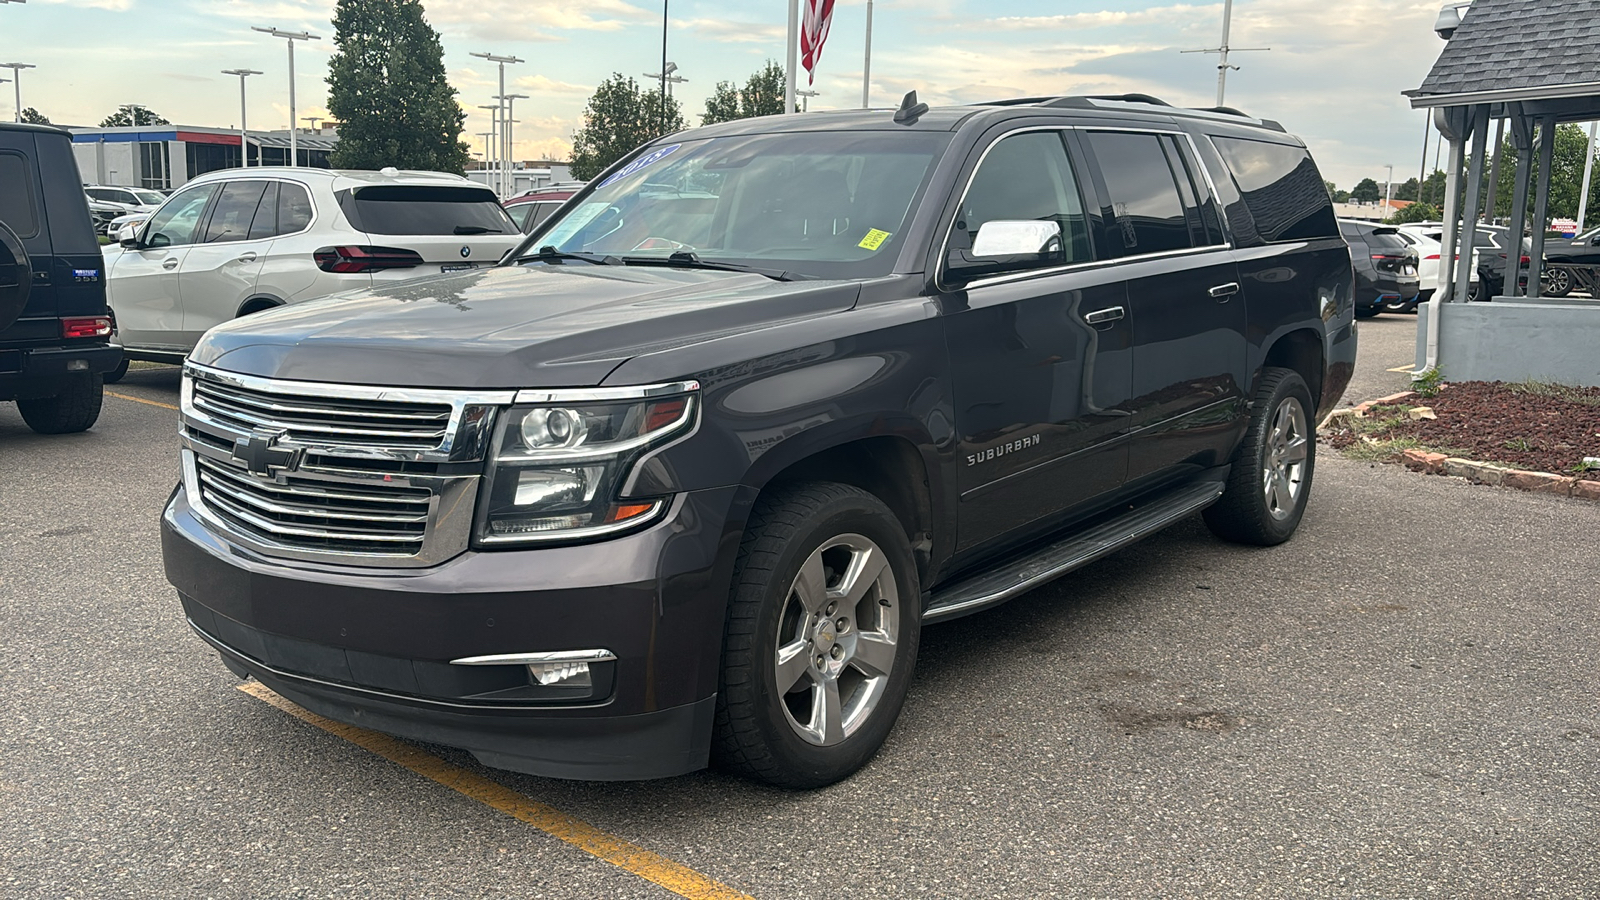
(1039, 350)
(1184, 300)
(219, 274)
(143, 285)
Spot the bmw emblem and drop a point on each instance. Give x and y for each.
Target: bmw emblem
(466, 252)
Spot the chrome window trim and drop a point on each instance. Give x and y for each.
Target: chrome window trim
(1099, 263)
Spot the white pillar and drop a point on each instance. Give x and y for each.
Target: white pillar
(791, 57)
(294, 143)
(866, 64)
(1588, 169)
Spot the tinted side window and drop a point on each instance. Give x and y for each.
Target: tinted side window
(1026, 177)
(19, 202)
(1281, 187)
(98, 193)
(1148, 212)
(265, 222)
(541, 211)
(294, 208)
(236, 206)
(176, 222)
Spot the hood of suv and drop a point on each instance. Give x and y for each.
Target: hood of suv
(510, 326)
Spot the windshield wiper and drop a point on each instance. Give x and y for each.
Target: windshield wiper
(686, 259)
(477, 229)
(550, 254)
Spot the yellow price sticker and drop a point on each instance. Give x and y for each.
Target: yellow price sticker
(873, 240)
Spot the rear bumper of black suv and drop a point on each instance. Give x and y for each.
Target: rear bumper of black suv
(38, 371)
(375, 648)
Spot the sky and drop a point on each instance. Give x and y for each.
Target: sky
(1333, 73)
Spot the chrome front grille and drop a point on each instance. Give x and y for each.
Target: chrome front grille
(351, 474)
(317, 515)
(325, 419)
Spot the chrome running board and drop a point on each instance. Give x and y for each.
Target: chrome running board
(995, 586)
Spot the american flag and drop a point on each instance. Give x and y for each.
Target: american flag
(813, 32)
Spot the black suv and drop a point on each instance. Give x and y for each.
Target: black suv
(54, 324)
(683, 477)
(1385, 268)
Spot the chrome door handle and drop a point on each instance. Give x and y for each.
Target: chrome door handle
(1101, 316)
(247, 257)
(169, 263)
(1224, 290)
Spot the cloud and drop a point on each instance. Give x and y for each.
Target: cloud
(735, 32)
(113, 5)
(539, 84)
(532, 20)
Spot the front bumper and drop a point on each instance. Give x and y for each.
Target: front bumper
(373, 647)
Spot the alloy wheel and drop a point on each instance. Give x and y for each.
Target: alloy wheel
(837, 635)
(1284, 470)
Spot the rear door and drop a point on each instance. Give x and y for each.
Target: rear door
(22, 209)
(143, 288)
(219, 272)
(450, 227)
(1188, 318)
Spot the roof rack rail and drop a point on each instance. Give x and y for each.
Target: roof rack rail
(1225, 110)
(1130, 98)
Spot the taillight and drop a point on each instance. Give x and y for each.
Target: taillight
(86, 327)
(353, 260)
(1431, 256)
(1526, 260)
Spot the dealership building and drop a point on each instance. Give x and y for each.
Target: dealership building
(164, 157)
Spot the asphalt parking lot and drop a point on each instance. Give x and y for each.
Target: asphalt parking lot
(1400, 702)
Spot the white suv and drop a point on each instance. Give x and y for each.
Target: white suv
(239, 241)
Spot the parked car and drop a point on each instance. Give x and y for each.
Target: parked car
(239, 241)
(683, 478)
(54, 325)
(1491, 243)
(1426, 238)
(109, 203)
(1572, 264)
(529, 210)
(1385, 268)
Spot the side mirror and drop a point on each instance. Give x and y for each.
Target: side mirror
(16, 277)
(1014, 238)
(128, 236)
(1595, 241)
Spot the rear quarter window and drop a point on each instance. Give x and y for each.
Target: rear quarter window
(1281, 188)
(19, 201)
(424, 209)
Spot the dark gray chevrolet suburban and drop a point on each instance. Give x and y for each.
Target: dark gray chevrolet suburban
(681, 480)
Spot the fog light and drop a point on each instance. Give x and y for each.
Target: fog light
(574, 674)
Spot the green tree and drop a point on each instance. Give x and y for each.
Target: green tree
(618, 119)
(1366, 191)
(1341, 196)
(762, 95)
(1416, 212)
(1406, 190)
(1566, 175)
(387, 88)
(132, 114)
(1433, 188)
(34, 117)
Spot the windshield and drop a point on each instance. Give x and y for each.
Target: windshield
(830, 204)
(150, 198)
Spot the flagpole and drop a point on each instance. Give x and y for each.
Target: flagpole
(792, 63)
(866, 66)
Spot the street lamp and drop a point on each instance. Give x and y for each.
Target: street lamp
(505, 133)
(805, 99)
(313, 120)
(16, 78)
(667, 78)
(291, 37)
(487, 137)
(511, 149)
(244, 133)
(492, 149)
(1388, 190)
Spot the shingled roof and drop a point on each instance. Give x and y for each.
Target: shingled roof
(1517, 50)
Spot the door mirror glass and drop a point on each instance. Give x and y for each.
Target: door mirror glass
(1004, 237)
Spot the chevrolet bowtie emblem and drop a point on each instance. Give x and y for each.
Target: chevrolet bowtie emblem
(260, 456)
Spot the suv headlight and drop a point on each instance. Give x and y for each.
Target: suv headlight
(557, 468)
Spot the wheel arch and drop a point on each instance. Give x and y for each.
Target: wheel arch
(1302, 351)
(258, 303)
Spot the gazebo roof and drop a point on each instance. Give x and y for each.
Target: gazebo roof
(1543, 51)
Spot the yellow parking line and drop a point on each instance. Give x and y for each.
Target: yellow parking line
(140, 400)
(1409, 368)
(680, 880)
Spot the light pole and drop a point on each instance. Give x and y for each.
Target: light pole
(1223, 50)
(244, 132)
(291, 37)
(866, 64)
(1388, 190)
(487, 137)
(313, 120)
(16, 81)
(790, 58)
(805, 99)
(492, 150)
(505, 133)
(510, 101)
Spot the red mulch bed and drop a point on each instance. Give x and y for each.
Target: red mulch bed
(1505, 424)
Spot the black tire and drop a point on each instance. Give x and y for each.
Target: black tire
(74, 409)
(757, 731)
(115, 375)
(1555, 283)
(1246, 514)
